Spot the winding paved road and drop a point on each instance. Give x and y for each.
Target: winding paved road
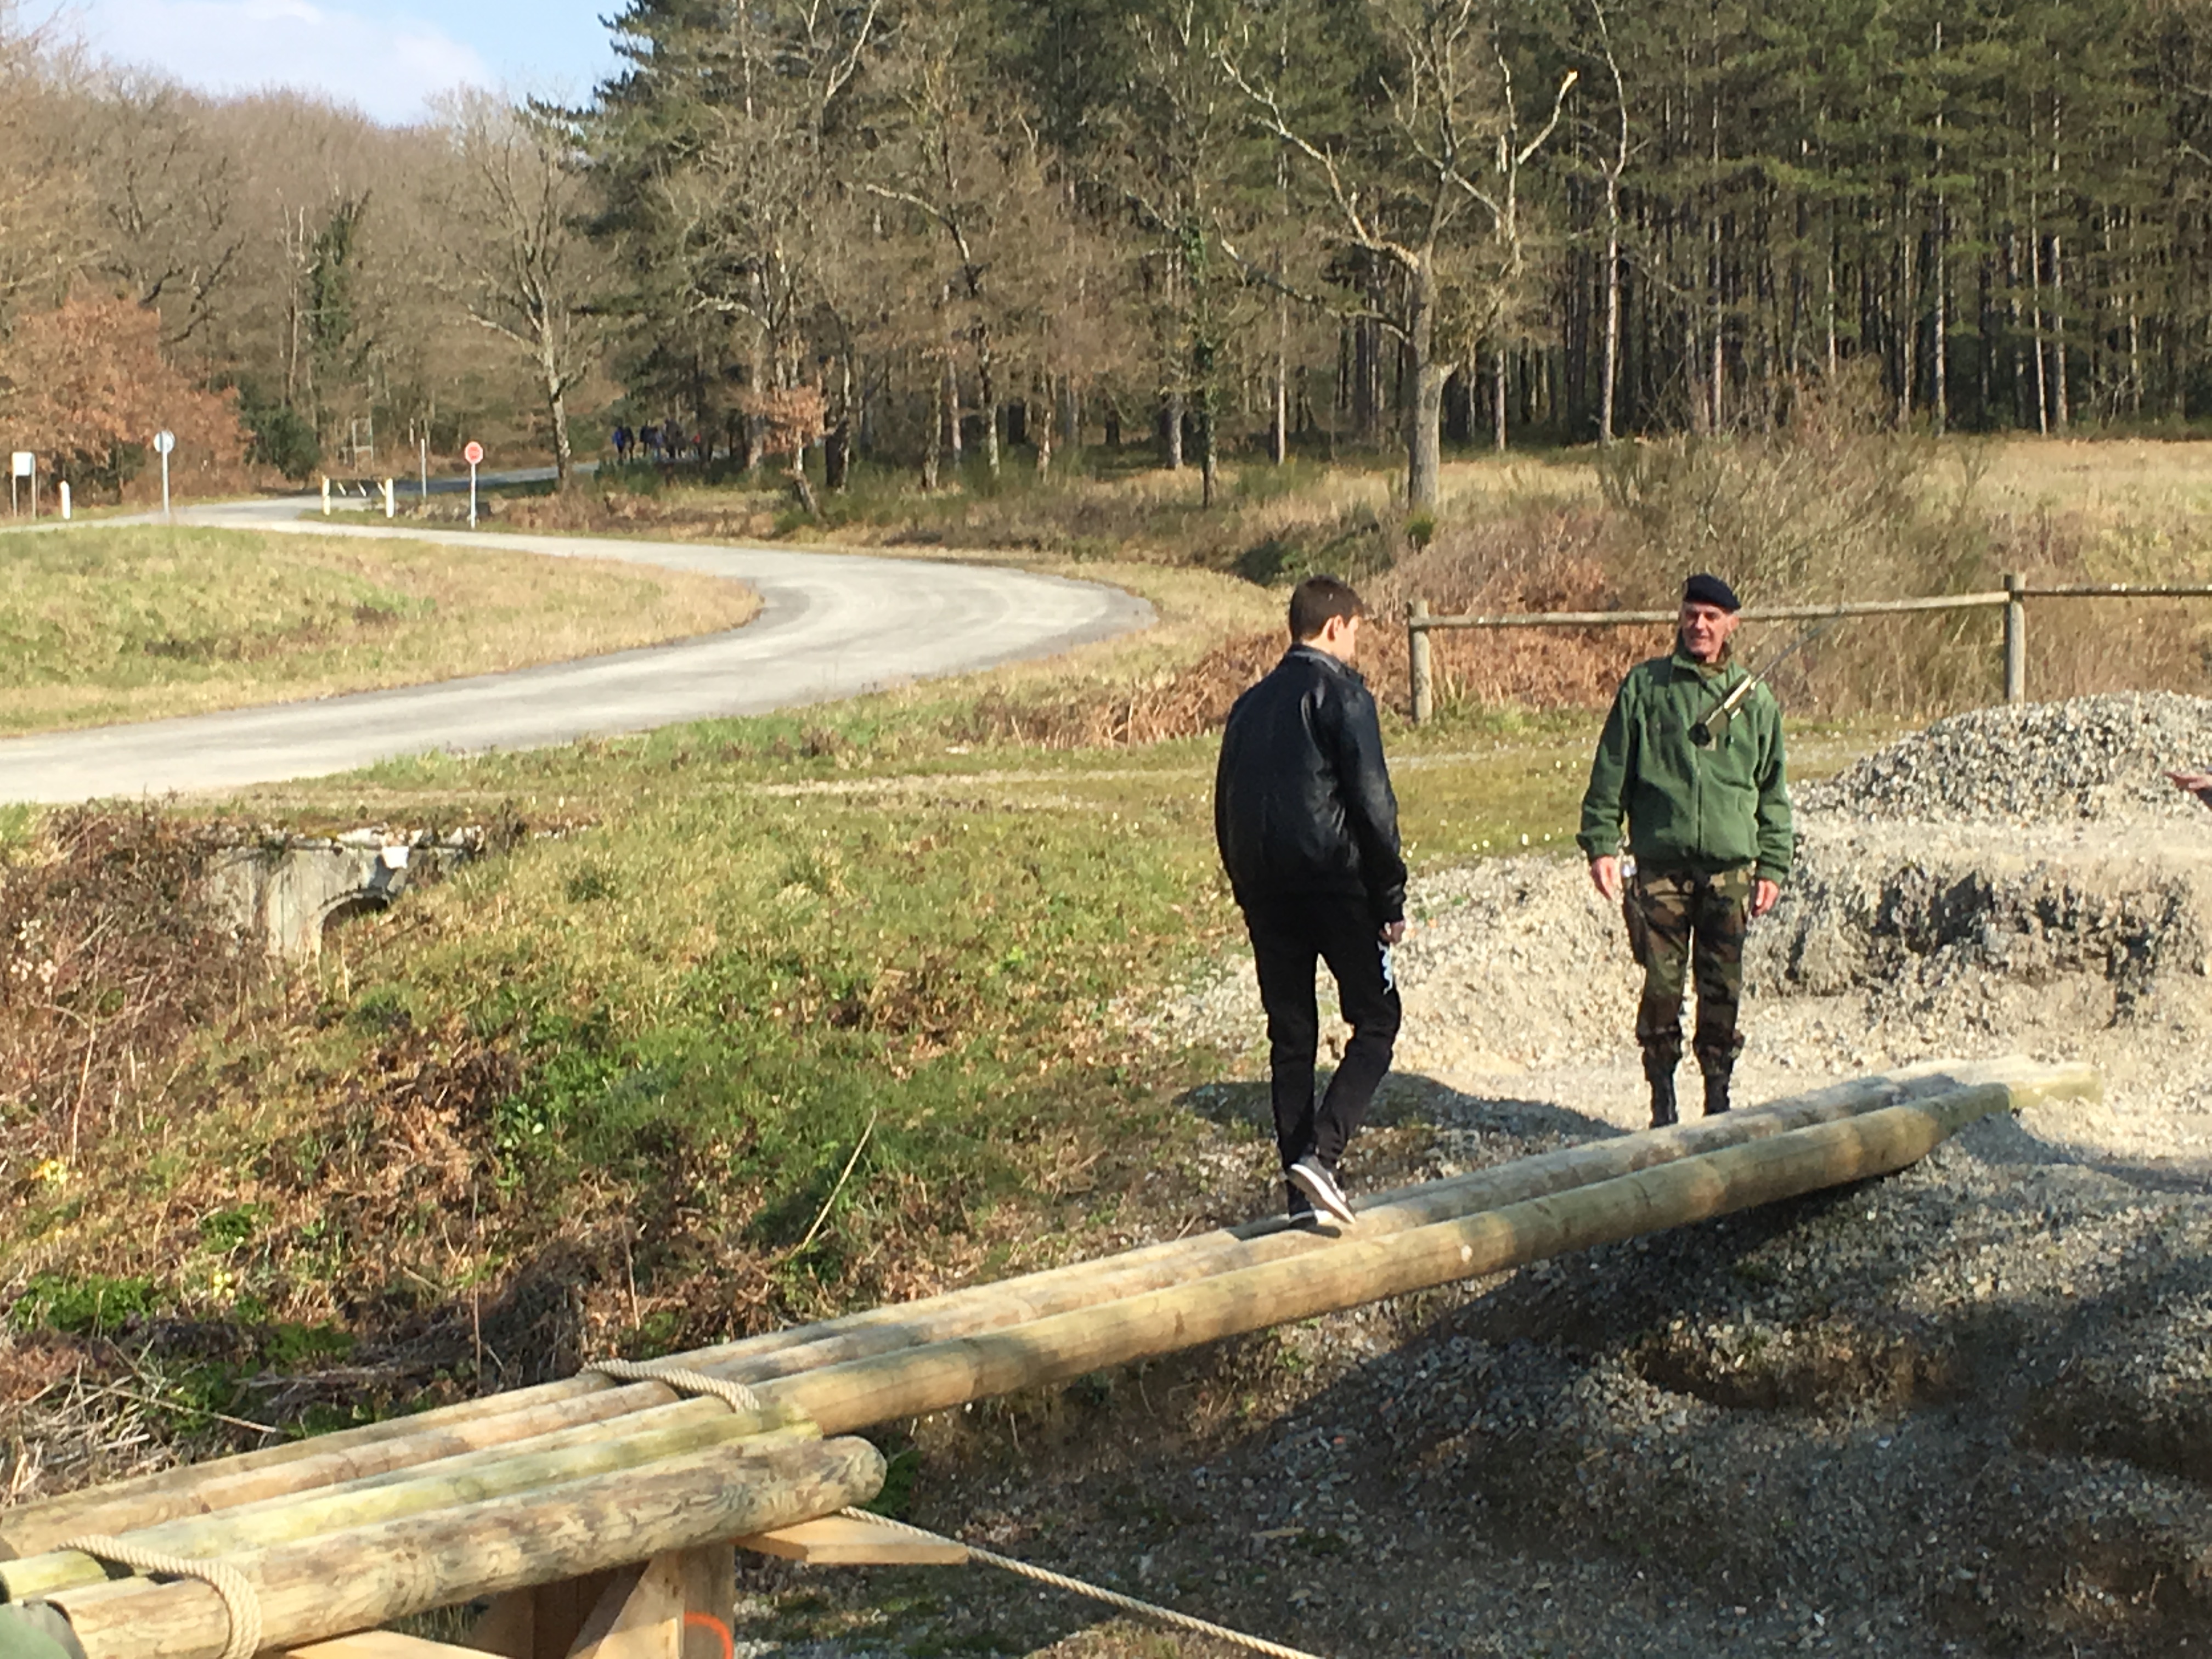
(831, 625)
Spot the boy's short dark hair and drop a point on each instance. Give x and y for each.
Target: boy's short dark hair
(1317, 601)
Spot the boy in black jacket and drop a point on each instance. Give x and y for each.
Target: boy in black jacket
(1308, 828)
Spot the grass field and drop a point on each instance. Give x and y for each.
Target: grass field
(108, 624)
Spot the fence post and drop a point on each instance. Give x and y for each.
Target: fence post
(2015, 638)
(1417, 662)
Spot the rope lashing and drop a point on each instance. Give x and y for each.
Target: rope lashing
(1097, 1593)
(735, 1395)
(239, 1600)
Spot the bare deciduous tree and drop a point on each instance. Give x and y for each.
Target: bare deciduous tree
(524, 266)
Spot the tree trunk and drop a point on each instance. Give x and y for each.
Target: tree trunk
(1171, 409)
(2060, 412)
(949, 398)
(1040, 424)
(1609, 373)
(1497, 399)
(1278, 427)
(933, 448)
(1423, 391)
(564, 460)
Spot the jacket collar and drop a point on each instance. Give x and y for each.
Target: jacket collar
(1682, 665)
(1315, 654)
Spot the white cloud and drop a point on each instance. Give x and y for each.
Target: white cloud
(386, 64)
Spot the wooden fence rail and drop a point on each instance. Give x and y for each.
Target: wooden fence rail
(2013, 598)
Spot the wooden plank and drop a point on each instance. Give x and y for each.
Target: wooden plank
(381, 1644)
(639, 1616)
(837, 1540)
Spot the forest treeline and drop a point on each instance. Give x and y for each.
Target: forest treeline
(936, 230)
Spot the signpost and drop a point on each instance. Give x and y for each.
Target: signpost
(472, 455)
(164, 441)
(25, 466)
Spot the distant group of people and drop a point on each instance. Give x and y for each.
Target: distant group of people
(1689, 765)
(658, 444)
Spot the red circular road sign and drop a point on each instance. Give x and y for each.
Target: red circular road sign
(473, 454)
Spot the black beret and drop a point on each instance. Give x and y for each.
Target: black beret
(1706, 589)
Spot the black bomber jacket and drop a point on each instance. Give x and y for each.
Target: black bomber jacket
(1302, 800)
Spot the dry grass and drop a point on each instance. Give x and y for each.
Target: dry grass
(107, 623)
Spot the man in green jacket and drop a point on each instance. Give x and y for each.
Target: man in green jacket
(1702, 788)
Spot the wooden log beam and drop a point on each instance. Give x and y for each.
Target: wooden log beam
(471, 1477)
(358, 1579)
(506, 1419)
(1358, 1269)
(1185, 1260)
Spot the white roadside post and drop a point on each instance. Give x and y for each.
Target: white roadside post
(24, 465)
(164, 441)
(390, 491)
(326, 494)
(423, 460)
(65, 498)
(472, 455)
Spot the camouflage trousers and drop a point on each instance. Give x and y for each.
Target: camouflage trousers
(1685, 925)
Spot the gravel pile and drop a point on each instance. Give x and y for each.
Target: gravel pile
(2090, 757)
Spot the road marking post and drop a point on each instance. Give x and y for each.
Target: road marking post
(472, 455)
(423, 461)
(326, 494)
(391, 490)
(25, 464)
(164, 441)
(65, 498)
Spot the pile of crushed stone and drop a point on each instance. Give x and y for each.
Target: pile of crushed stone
(2088, 757)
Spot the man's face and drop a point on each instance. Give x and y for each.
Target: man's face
(1704, 630)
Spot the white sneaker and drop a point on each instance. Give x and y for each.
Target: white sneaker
(1312, 1177)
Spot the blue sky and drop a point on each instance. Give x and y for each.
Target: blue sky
(386, 57)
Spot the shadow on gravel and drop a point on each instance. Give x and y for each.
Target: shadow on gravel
(1408, 1098)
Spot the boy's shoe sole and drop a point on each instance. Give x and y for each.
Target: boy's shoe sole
(1317, 1184)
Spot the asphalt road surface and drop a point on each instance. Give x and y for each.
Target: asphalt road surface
(831, 625)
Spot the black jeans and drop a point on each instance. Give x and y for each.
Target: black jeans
(1289, 934)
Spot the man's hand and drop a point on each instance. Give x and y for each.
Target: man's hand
(1605, 876)
(1392, 932)
(1764, 896)
(2198, 784)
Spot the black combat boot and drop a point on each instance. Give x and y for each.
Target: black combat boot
(1662, 1094)
(1716, 1089)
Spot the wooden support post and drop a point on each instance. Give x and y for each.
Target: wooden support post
(640, 1615)
(710, 1601)
(1423, 688)
(2015, 638)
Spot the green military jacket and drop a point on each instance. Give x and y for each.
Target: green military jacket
(1689, 807)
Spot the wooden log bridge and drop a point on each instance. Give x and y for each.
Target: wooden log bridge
(598, 1513)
